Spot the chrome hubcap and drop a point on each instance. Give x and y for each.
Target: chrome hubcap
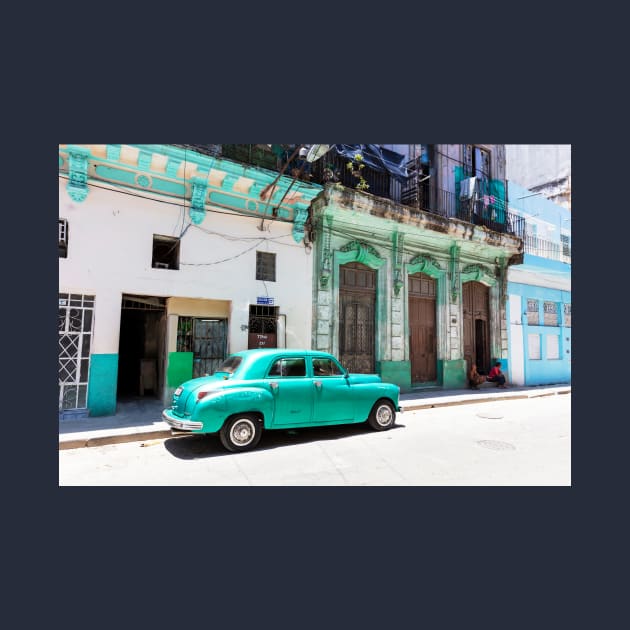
(243, 432)
(384, 415)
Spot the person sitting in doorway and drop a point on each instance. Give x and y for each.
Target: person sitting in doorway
(474, 378)
(497, 376)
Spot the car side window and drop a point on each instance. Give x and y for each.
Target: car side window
(326, 367)
(288, 367)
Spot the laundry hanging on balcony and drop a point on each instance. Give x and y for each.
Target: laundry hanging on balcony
(377, 158)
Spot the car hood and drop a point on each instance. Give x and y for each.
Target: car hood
(364, 378)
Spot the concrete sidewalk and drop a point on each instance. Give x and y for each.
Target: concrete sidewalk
(141, 419)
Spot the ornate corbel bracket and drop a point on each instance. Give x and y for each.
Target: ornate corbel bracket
(300, 215)
(77, 171)
(198, 200)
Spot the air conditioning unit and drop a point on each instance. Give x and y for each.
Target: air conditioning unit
(160, 265)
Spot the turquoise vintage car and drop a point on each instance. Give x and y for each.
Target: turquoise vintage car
(279, 389)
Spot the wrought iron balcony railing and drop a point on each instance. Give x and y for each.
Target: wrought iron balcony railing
(547, 249)
(418, 195)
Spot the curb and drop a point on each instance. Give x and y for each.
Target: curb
(471, 401)
(163, 434)
(114, 439)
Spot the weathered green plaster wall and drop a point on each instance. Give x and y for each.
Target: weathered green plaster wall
(180, 368)
(102, 384)
(453, 373)
(397, 372)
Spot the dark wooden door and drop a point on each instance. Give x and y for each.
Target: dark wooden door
(357, 302)
(422, 337)
(475, 304)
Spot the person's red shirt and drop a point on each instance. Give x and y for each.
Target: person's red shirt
(495, 371)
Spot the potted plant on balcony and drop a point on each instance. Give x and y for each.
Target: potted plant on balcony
(356, 166)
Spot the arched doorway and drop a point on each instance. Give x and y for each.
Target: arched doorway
(357, 302)
(476, 314)
(422, 328)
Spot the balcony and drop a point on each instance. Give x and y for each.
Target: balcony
(547, 249)
(419, 196)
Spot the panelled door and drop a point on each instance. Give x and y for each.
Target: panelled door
(357, 302)
(475, 303)
(422, 337)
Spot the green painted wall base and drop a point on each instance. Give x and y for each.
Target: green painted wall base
(102, 384)
(453, 374)
(180, 368)
(397, 372)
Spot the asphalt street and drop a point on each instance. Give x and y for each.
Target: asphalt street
(524, 442)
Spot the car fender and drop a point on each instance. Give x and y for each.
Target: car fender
(369, 393)
(214, 410)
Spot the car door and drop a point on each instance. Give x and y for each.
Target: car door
(333, 398)
(292, 391)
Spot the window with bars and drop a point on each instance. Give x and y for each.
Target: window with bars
(63, 238)
(566, 244)
(75, 323)
(533, 317)
(550, 314)
(567, 315)
(265, 266)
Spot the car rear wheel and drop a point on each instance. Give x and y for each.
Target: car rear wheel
(382, 416)
(241, 432)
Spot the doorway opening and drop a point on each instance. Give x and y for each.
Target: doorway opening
(141, 347)
(476, 313)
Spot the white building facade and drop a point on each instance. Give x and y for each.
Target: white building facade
(168, 260)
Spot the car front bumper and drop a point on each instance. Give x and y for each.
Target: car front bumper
(178, 423)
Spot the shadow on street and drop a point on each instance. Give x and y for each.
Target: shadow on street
(201, 446)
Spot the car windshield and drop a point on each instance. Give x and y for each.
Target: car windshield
(229, 365)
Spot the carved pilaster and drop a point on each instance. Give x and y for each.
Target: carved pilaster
(77, 171)
(398, 240)
(326, 265)
(455, 283)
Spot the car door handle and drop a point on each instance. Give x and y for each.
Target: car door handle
(274, 386)
(317, 384)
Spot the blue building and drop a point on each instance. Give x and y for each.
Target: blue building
(539, 293)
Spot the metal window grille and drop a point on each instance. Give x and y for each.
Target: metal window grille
(265, 266)
(550, 314)
(532, 312)
(75, 322)
(567, 315)
(206, 339)
(63, 238)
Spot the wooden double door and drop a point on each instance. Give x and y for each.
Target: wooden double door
(357, 308)
(422, 328)
(476, 313)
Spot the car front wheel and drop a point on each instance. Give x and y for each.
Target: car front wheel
(382, 416)
(241, 432)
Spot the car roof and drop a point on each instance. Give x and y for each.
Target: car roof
(287, 352)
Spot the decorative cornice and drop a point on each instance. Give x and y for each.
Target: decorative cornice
(478, 273)
(358, 251)
(423, 263)
(207, 181)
